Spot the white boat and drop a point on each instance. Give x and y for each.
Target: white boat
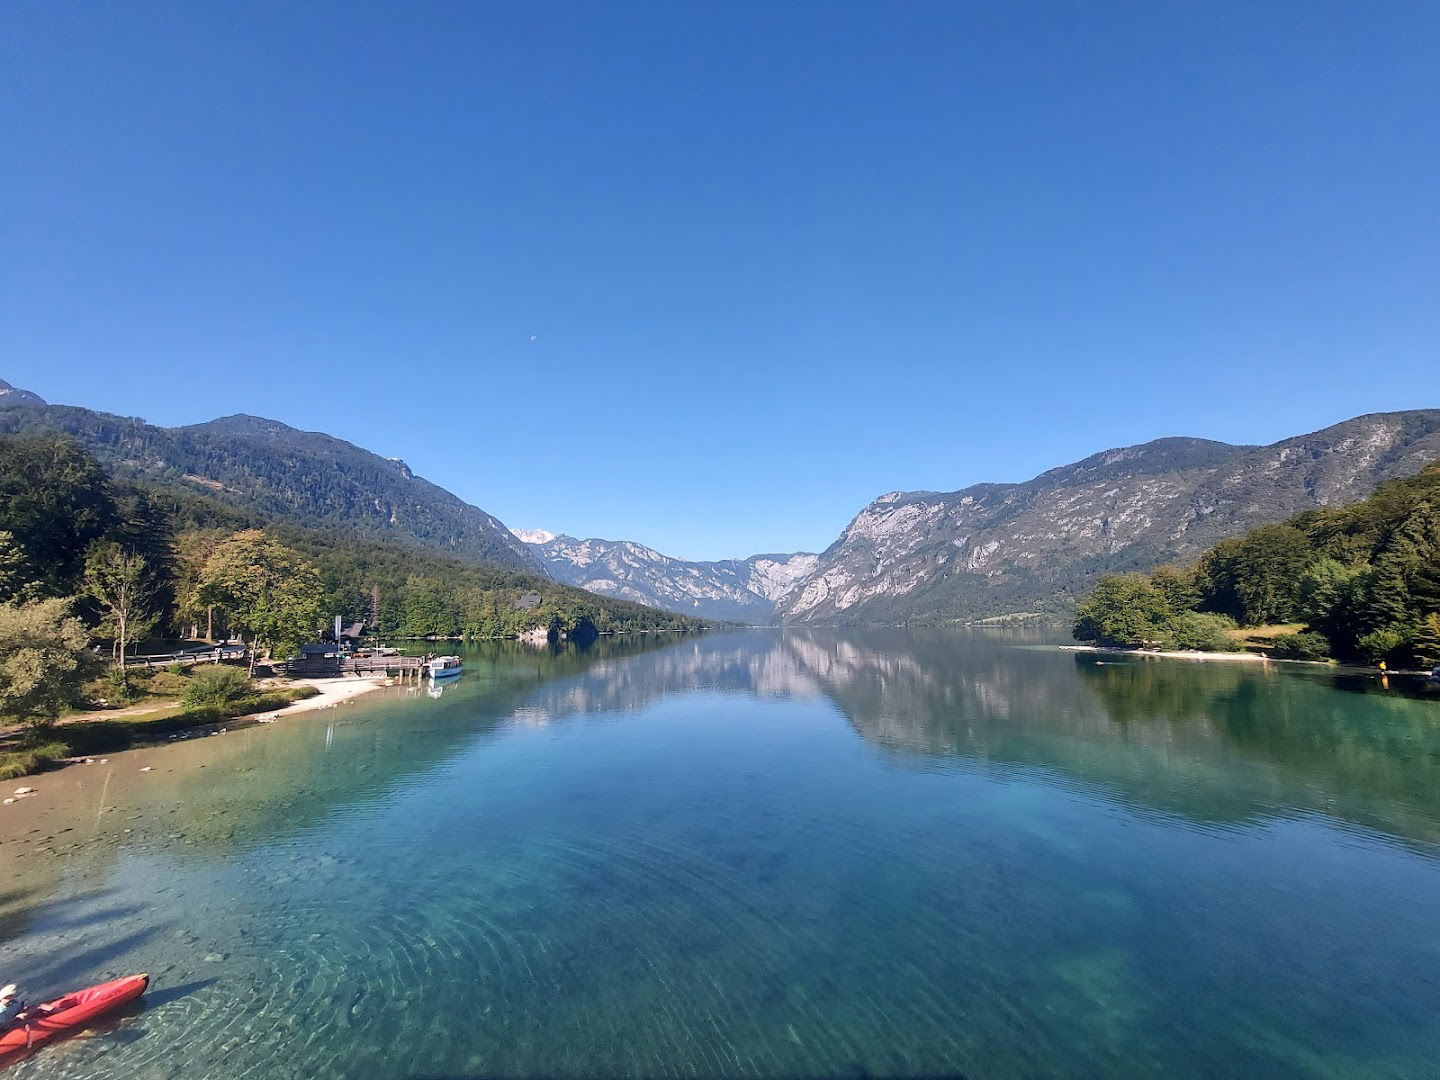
(444, 667)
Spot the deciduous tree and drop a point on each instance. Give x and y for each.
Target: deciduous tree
(1124, 609)
(270, 594)
(43, 659)
(119, 582)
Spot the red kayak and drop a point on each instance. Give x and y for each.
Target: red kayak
(71, 1011)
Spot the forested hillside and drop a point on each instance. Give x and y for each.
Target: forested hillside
(58, 508)
(1364, 580)
(305, 478)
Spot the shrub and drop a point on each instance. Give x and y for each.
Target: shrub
(115, 684)
(217, 686)
(1306, 645)
(1204, 631)
(1381, 645)
(33, 759)
(172, 680)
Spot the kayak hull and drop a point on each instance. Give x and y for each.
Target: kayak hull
(72, 1011)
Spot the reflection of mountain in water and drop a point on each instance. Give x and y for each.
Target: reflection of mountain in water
(1213, 742)
(1216, 742)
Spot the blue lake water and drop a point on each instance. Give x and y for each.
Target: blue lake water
(773, 854)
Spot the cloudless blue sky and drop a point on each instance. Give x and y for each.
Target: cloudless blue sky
(775, 258)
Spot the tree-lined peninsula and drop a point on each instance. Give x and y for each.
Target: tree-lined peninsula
(1358, 583)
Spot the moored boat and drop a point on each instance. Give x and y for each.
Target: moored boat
(444, 667)
(69, 1013)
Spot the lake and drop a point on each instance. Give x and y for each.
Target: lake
(760, 853)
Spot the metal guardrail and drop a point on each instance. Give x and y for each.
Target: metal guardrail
(209, 655)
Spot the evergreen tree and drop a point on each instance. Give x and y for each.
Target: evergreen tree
(1426, 642)
(12, 569)
(54, 500)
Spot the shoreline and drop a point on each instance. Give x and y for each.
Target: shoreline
(1244, 657)
(1178, 654)
(40, 806)
(331, 692)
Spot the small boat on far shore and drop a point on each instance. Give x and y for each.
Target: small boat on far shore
(444, 667)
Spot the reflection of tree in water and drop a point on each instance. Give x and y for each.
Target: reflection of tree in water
(1216, 742)
(1371, 758)
(292, 776)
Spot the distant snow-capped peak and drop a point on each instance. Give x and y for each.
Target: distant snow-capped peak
(533, 536)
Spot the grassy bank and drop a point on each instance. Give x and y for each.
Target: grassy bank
(38, 749)
(1258, 639)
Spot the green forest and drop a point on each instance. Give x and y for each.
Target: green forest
(86, 557)
(305, 479)
(1361, 583)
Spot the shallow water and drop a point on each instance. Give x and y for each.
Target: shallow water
(760, 854)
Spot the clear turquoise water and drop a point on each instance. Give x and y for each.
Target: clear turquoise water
(767, 854)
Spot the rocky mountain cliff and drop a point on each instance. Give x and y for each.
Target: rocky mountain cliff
(995, 549)
(11, 397)
(742, 590)
(304, 478)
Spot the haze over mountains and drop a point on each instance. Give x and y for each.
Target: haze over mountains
(987, 550)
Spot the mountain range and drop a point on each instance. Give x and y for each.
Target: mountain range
(995, 549)
(741, 590)
(910, 556)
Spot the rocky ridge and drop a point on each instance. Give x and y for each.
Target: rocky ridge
(741, 590)
(1033, 547)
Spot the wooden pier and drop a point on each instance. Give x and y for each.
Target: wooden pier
(321, 667)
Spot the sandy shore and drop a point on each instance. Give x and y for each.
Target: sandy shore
(1245, 657)
(331, 693)
(78, 798)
